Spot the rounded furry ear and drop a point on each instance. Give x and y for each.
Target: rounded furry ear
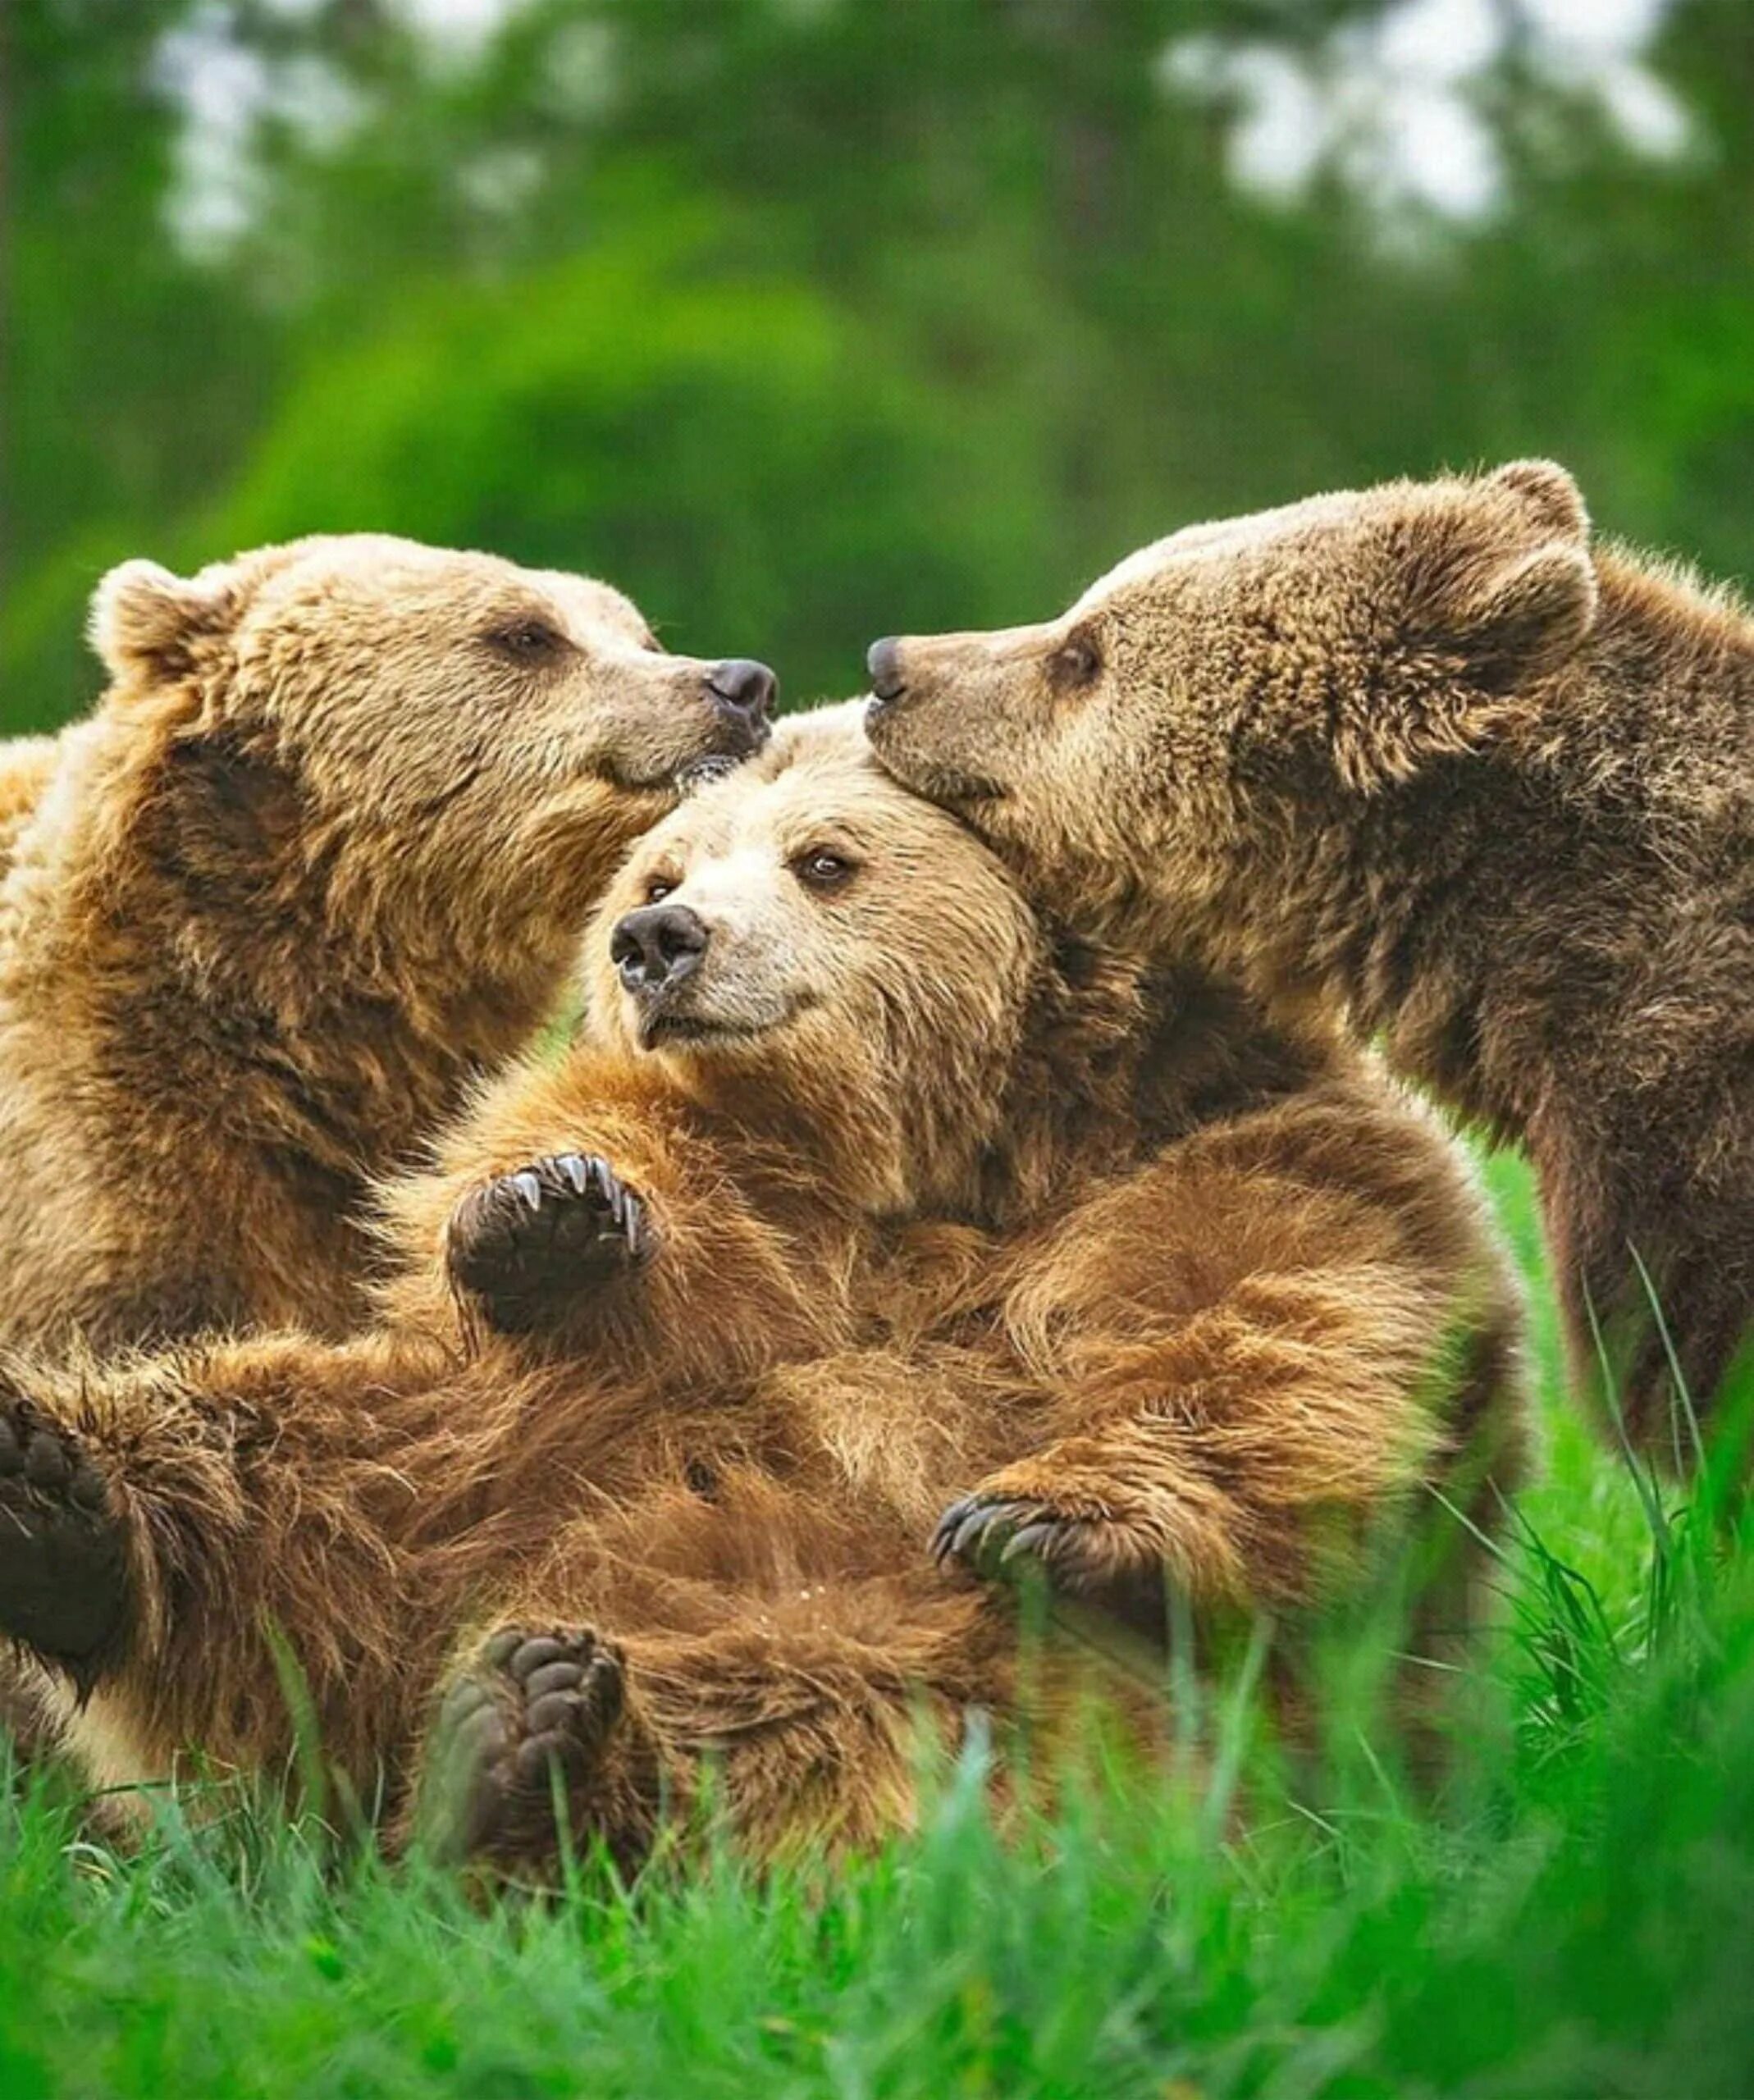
(1503, 585)
(1528, 618)
(1549, 493)
(142, 617)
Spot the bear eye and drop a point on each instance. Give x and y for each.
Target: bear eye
(820, 868)
(1076, 662)
(527, 640)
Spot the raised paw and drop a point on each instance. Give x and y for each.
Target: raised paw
(998, 1534)
(533, 1705)
(522, 1245)
(63, 1560)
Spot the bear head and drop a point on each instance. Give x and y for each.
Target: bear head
(1143, 742)
(455, 751)
(812, 947)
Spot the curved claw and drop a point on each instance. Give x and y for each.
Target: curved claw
(944, 1531)
(1032, 1539)
(971, 1528)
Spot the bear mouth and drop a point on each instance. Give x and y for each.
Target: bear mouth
(700, 773)
(662, 1030)
(945, 783)
(682, 777)
(661, 1025)
(936, 780)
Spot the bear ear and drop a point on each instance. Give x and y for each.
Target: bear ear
(1504, 589)
(1526, 617)
(142, 617)
(1494, 591)
(1548, 492)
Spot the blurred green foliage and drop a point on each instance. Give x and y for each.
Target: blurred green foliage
(804, 320)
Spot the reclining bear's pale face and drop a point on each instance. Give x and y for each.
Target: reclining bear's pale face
(809, 932)
(1333, 646)
(483, 722)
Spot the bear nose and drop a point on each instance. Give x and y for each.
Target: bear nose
(744, 688)
(657, 947)
(883, 660)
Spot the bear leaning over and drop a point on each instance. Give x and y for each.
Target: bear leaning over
(315, 861)
(866, 1204)
(1424, 753)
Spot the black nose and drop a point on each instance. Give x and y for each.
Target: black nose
(883, 660)
(656, 947)
(743, 687)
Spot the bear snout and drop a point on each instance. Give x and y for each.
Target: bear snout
(658, 947)
(882, 661)
(744, 691)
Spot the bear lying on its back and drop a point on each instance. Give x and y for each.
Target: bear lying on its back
(317, 859)
(867, 1205)
(1420, 750)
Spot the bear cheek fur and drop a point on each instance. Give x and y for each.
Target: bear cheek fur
(446, 780)
(914, 1107)
(1109, 789)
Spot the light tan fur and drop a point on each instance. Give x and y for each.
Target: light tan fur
(27, 765)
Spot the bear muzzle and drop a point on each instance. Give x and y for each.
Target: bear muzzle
(883, 664)
(655, 951)
(743, 693)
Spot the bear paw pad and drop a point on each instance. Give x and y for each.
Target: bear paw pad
(533, 1705)
(63, 1562)
(523, 1245)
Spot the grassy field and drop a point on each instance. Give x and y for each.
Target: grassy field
(1576, 1917)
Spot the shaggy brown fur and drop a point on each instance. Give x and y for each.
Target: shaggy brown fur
(880, 1204)
(1420, 750)
(27, 765)
(318, 858)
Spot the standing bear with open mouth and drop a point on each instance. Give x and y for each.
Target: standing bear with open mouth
(865, 1205)
(1425, 752)
(317, 862)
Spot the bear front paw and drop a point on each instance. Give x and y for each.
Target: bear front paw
(522, 1245)
(531, 1706)
(63, 1560)
(992, 1533)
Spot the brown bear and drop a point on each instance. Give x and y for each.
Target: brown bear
(1424, 752)
(866, 1203)
(318, 858)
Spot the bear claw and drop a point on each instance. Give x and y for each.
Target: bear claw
(524, 1244)
(63, 1564)
(994, 1536)
(530, 1705)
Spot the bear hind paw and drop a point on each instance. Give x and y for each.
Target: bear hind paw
(533, 1705)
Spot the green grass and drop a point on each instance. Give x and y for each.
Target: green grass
(1576, 1917)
